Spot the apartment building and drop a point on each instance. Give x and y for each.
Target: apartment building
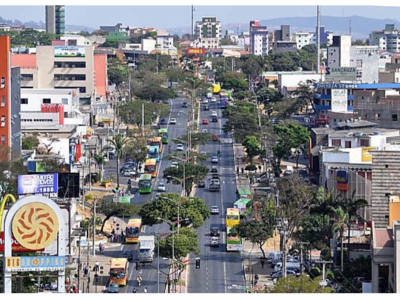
(208, 32)
(339, 52)
(387, 39)
(258, 38)
(55, 19)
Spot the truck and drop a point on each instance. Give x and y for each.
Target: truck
(214, 185)
(146, 248)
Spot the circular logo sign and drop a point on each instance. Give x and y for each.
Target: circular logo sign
(35, 226)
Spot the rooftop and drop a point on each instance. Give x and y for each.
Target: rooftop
(356, 124)
(383, 237)
(365, 132)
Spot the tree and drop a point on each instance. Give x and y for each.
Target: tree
(235, 81)
(119, 143)
(137, 151)
(305, 96)
(252, 146)
(302, 284)
(185, 242)
(267, 94)
(117, 72)
(255, 231)
(197, 138)
(193, 174)
(340, 224)
(166, 207)
(100, 162)
(110, 209)
(9, 171)
(130, 112)
(30, 142)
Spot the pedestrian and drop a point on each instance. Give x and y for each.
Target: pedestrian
(256, 279)
(100, 247)
(145, 290)
(262, 263)
(134, 290)
(242, 170)
(237, 170)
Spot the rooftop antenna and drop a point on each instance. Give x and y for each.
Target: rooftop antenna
(318, 38)
(193, 9)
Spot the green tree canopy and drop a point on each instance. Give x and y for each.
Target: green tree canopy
(302, 284)
(252, 147)
(131, 112)
(185, 242)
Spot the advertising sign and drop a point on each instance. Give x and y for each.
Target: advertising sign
(196, 50)
(69, 51)
(68, 185)
(366, 156)
(342, 179)
(16, 247)
(35, 263)
(339, 100)
(338, 85)
(37, 184)
(338, 74)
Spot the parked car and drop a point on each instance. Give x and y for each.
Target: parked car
(205, 122)
(179, 147)
(161, 187)
(174, 164)
(214, 209)
(111, 288)
(214, 169)
(201, 184)
(184, 104)
(172, 121)
(214, 241)
(206, 107)
(214, 159)
(214, 231)
(100, 124)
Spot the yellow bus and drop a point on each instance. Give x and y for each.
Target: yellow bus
(119, 271)
(132, 231)
(150, 167)
(156, 141)
(232, 217)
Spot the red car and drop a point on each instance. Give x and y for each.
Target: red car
(205, 122)
(215, 138)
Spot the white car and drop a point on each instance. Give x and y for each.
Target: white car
(161, 187)
(174, 164)
(179, 147)
(214, 114)
(205, 101)
(214, 210)
(129, 173)
(214, 159)
(204, 131)
(213, 99)
(172, 121)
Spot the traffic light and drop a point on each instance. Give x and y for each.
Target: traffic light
(197, 262)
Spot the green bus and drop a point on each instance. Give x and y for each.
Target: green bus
(233, 243)
(243, 193)
(245, 206)
(163, 133)
(145, 185)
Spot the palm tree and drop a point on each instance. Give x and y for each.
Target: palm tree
(100, 161)
(119, 142)
(340, 224)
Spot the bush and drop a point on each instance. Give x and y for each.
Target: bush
(315, 271)
(97, 177)
(89, 197)
(104, 182)
(250, 168)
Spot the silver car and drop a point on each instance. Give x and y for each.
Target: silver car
(214, 209)
(161, 187)
(214, 159)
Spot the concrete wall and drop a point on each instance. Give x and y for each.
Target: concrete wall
(35, 99)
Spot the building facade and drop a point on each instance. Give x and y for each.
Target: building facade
(258, 39)
(208, 32)
(387, 39)
(55, 19)
(283, 34)
(339, 52)
(366, 61)
(302, 39)
(285, 46)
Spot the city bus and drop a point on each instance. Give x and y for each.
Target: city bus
(156, 141)
(145, 184)
(133, 230)
(243, 193)
(163, 133)
(154, 153)
(150, 167)
(119, 271)
(232, 217)
(244, 206)
(233, 243)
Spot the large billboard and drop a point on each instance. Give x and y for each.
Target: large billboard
(339, 74)
(342, 179)
(35, 263)
(196, 50)
(69, 51)
(37, 184)
(339, 100)
(68, 185)
(16, 247)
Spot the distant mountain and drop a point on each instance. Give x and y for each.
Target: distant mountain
(361, 27)
(42, 25)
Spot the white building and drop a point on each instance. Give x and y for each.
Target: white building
(76, 40)
(258, 39)
(366, 60)
(289, 81)
(208, 32)
(302, 39)
(387, 39)
(339, 52)
(165, 40)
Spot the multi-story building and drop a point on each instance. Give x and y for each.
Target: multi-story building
(282, 34)
(165, 40)
(391, 72)
(387, 39)
(208, 32)
(258, 38)
(55, 19)
(285, 46)
(339, 52)
(326, 37)
(65, 67)
(116, 28)
(366, 61)
(308, 38)
(10, 133)
(302, 39)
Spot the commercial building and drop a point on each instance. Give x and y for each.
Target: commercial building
(55, 19)
(258, 38)
(285, 46)
(366, 61)
(65, 67)
(308, 38)
(283, 34)
(208, 32)
(10, 133)
(339, 52)
(387, 39)
(391, 73)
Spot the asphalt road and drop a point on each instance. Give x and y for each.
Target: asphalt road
(219, 268)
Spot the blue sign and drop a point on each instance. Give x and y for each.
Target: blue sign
(35, 263)
(37, 184)
(357, 85)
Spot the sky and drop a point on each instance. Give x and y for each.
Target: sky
(172, 16)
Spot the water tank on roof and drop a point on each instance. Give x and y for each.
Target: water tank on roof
(358, 133)
(377, 133)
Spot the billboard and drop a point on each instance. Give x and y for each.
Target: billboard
(338, 74)
(196, 50)
(16, 247)
(69, 51)
(35, 263)
(37, 184)
(342, 179)
(68, 185)
(339, 100)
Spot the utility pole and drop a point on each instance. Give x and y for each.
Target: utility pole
(142, 119)
(192, 22)
(282, 225)
(301, 255)
(129, 85)
(323, 262)
(94, 227)
(318, 38)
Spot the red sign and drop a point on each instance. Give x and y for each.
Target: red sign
(15, 246)
(196, 50)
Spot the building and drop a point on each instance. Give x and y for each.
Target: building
(309, 38)
(326, 37)
(283, 34)
(285, 46)
(55, 19)
(288, 82)
(302, 39)
(75, 40)
(208, 32)
(5, 27)
(116, 28)
(258, 39)
(339, 52)
(65, 67)
(391, 73)
(366, 61)
(165, 40)
(387, 39)
(10, 133)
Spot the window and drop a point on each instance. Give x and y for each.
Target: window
(46, 100)
(336, 142)
(65, 114)
(3, 121)
(347, 144)
(3, 140)
(24, 100)
(394, 118)
(26, 77)
(3, 101)
(377, 116)
(2, 83)
(64, 100)
(364, 143)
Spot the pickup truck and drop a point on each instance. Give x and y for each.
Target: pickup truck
(214, 185)
(146, 248)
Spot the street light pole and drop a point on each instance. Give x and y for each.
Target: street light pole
(94, 227)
